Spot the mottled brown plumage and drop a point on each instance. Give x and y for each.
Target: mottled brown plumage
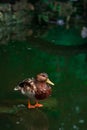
(36, 88)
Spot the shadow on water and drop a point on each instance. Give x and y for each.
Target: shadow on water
(58, 49)
(25, 120)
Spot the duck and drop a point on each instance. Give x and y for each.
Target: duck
(38, 88)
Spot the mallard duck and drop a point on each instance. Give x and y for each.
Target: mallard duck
(37, 88)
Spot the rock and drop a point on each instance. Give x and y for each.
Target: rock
(84, 32)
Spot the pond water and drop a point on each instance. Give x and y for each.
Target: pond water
(66, 66)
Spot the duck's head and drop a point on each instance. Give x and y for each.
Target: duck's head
(43, 77)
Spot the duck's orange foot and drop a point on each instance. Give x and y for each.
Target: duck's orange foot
(38, 105)
(31, 106)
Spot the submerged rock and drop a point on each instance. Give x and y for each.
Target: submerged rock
(81, 121)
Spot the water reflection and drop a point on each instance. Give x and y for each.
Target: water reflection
(35, 120)
(25, 120)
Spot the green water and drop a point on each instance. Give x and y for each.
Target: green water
(66, 109)
(61, 36)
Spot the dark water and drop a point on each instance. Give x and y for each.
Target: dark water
(66, 109)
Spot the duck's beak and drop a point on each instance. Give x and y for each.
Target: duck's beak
(49, 82)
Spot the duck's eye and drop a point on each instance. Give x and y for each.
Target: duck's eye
(43, 75)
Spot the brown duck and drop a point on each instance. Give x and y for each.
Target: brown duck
(36, 88)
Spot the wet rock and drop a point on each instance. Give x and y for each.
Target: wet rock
(81, 121)
(84, 32)
(75, 127)
(28, 48)
(60, 22)
(21, 105)
(17, 122)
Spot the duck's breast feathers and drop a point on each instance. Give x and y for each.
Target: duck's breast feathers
(40, 95)
(43, 92)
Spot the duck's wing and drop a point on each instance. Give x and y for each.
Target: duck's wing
(25, 82)
(21, 84)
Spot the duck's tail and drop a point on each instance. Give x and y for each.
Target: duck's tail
(17, 88)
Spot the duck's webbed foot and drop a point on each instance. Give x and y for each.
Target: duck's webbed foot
(38, 104)
(30, 106)
(34, 106)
